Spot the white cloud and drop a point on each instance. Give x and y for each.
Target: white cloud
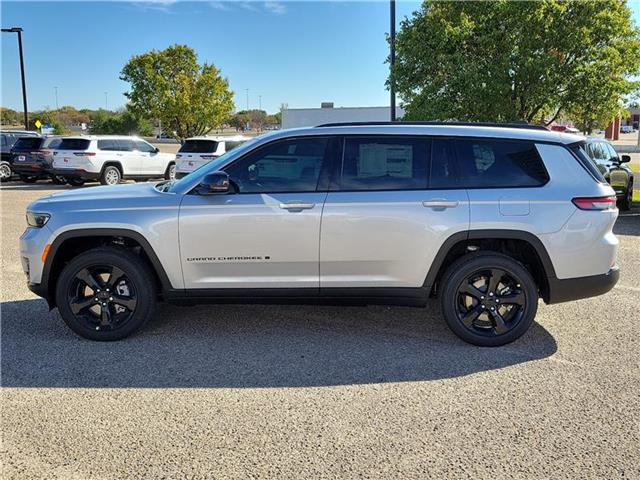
(278, 8)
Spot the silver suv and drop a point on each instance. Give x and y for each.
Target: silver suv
(487, 218)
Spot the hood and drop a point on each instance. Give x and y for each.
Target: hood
(119, 192)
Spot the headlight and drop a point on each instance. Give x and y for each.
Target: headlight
(37, 220)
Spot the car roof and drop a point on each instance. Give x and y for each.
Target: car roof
(26, 133)
(101, 137)
(221, 138)
(454, 130)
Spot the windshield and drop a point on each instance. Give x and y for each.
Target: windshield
(215, 164)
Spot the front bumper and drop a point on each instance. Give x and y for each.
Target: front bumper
(564, 290)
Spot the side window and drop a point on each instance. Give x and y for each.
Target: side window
(379, 163)
(611, 152)
(143, 146)
(108, 145)
(125, 145)
(442, 173)
(287, 166)
(500, 163)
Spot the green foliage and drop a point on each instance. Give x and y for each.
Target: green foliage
(48, 118)
(517, 61)
(169, 85)
(10, 117)
(125, 122)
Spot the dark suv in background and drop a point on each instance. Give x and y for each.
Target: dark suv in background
(7, 140)
(612, 167)
(32, 158)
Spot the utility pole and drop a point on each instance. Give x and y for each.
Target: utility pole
(392, 59)
(18, 30)
(260, 102)
(106, 104)
(55, 89)
(247, 91)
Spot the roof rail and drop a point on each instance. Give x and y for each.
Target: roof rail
(432, 123)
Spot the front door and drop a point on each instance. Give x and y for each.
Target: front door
(267, 233)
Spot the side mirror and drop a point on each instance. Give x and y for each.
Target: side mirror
(216, 182)
(625, 158)
(156, 150)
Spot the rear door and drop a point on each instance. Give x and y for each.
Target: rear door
(26, 151)
(72, 153)
(196, 153)
(129, 157)
(383, 223)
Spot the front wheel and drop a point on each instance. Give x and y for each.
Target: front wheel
(488, 299)
(170, 174)
(106, 293)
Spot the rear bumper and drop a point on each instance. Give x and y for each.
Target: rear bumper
(75, 173)
(30, 169)
(583, 287)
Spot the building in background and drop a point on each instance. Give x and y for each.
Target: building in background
(311, 117)
(633, 119)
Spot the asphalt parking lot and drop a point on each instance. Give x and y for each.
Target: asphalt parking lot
(318, 392)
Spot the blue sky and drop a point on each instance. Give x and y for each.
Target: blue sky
(299, 53)
(295, 52)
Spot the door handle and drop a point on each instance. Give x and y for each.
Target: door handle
(440, 203)
(297, 206)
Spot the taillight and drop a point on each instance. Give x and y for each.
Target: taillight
(178, 156)
(84, 154)
(595, 203)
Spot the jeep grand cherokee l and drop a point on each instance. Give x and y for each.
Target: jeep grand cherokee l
(489, 219)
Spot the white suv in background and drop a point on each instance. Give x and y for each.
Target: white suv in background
(198, 151)
(110, 159)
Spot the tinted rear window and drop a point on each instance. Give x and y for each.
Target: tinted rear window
(499, 164)
(199, 146)
(28, 143)
(74, 144)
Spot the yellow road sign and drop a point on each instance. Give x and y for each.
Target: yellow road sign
(38, 123)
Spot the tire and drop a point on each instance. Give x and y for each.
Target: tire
(627, 202)
(29, 178)
(480, 313)
(5, 171)
(75, 182)
(170, 174)
(90, 277)
(110, 175)
(58, 180)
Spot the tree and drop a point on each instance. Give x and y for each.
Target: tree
(516, 61)
(10, 117)
(171, 86)
(120, 123)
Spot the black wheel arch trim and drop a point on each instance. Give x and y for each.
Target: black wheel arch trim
(462, 236)
(42, 289)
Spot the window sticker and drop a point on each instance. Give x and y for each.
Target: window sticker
(379, 160)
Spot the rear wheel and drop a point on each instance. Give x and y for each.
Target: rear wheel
(627, 201)
(29, 178)
(5, 171)
(75, 182)
(488, 299)
(110, 176)
(106, 293)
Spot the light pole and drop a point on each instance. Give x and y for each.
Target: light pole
(247, 91)
(259, 102)
(105, 101)
(392, 59)
(18, 30)
(56, 90)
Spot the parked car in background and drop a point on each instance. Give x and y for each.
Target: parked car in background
(110, 159)
(613, 169)
(32, 159)
(198, 151)
(7, 139)
(626, 129)
(489, 219)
